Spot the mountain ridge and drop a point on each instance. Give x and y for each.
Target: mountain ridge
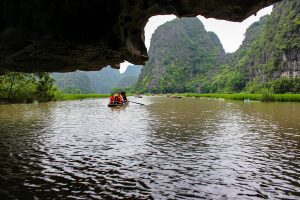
(102, 81)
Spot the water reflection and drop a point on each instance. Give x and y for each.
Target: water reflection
(20, 138)
(231, 148)
(168, 149)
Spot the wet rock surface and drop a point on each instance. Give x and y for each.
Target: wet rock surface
(66, 35)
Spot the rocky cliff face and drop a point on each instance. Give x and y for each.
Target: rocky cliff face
(180, 52)
(291, 63)
(66, 35)
(252, 33)
(275, 52)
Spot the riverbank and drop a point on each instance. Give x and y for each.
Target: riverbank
(66, 97)
(253, 97)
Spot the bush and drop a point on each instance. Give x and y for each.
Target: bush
(286, 85)
(267, 97)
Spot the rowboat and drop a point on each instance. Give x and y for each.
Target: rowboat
(118, 104)
(138, 96)
(175, 97)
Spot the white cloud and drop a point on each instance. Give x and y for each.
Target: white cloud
(231, 34)
(123, 66)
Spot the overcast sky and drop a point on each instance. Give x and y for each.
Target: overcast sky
(231, 34)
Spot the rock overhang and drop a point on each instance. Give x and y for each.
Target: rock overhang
(69, 35)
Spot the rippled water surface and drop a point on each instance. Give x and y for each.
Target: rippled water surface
(168, 149)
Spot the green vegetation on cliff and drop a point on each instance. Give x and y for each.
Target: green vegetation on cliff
(268, 59)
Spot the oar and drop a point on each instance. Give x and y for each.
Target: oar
(137, 103)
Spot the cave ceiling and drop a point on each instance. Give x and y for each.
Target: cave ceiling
(69, 35)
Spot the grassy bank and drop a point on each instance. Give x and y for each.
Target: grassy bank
(255, 97)
(240, 96)
(64, 97)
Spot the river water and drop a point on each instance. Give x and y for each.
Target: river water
(167, 149)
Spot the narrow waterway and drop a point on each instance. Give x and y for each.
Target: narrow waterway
(168, 149)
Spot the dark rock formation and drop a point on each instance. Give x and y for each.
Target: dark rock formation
(65, 35)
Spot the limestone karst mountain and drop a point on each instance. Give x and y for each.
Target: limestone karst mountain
(180, 52)
(184, 57)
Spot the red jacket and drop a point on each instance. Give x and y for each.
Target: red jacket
(112, 99)
(120, 98)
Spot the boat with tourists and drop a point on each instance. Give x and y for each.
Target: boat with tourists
(117, 100)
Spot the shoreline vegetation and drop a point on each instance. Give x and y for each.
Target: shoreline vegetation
(40, 87)
(265, 97)
(59, 96)
(238, 96)
(68, 97)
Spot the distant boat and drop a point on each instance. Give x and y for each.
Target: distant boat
(138, 96)
(176, 97)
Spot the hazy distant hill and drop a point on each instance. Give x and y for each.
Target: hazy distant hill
(96, 81)
(130, 76)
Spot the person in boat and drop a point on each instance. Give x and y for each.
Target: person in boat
(120, 98)
(124, 96)
(112, 99)
(116, 101)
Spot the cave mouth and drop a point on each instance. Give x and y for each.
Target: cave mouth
(231, 34)
(64, 36)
